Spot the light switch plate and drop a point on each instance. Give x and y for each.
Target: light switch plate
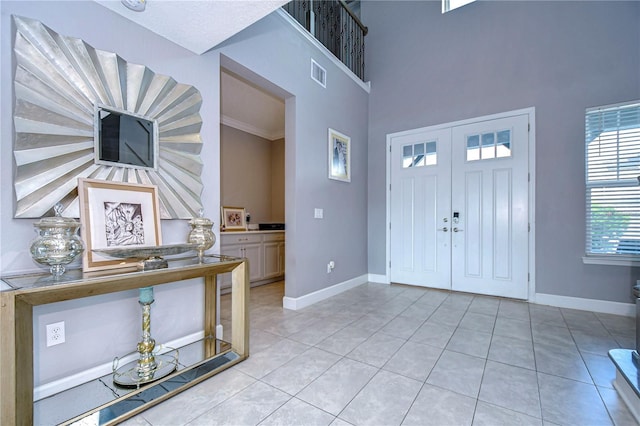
(318, 214)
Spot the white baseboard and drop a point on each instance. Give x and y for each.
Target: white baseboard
(52, 388)
(628, 395)
(602, 306)
(377, 278)
(295, 303)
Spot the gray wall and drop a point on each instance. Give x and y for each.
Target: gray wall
(277, 180)
(247, 175)
(272, 51)
(488, 57)
(102, 327)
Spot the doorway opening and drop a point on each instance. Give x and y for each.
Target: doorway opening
(253, 167)
(460, 205)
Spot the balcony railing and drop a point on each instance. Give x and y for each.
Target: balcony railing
(334, 25)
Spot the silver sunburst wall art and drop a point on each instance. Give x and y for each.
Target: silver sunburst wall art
(58, 82)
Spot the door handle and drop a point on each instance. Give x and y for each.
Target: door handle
(457, 230)
(445, 229)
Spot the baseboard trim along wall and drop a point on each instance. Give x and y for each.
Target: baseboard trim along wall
(52, 388)
(378, 278)
(295, 303)
(601, 306)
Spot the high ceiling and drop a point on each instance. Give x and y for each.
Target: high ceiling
(200, 25)
(196, 25)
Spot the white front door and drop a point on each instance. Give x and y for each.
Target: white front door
(420, 206)
(490, 198)
(459, 207)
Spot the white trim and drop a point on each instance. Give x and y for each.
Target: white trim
(302, 30)
(65, 383)
(248, 128)
(604, 108)
(219, 332)
(602, 306)
(464, 122)
(627, 394)
(531, 112)
(532, 201)
(295, 303)
(614, 260)
(379, 279)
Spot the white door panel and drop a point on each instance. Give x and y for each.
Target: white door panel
(419, 203)
(460, 220)
(490, 251)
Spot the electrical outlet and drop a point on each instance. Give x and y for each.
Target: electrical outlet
(55, 333)
(330, 266)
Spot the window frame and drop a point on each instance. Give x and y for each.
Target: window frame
(618, 259)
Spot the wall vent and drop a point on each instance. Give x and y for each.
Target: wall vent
(318, 74)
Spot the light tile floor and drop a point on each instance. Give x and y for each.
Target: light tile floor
(391, 355)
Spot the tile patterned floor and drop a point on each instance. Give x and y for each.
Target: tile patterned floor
(398, 355)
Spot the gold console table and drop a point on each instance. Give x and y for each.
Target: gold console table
(16, 329)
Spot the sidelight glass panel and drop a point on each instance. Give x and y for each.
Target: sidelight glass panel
(407, 156)
(503, 147)
(488, 146)
(432, 153)
(473, 148)
(418, 154)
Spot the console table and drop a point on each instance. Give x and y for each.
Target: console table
(16, 330)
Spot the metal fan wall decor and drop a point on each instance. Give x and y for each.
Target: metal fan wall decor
(60, 85)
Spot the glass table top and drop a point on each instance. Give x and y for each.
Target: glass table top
(74, 276)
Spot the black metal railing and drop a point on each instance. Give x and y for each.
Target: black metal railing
(336, 26)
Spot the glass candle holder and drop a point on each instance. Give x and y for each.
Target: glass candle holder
(57, 243)
(202, 235)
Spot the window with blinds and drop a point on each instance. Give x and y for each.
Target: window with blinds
(612, 153)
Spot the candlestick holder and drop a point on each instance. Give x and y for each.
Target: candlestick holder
(149, 366)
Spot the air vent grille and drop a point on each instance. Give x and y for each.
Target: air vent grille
(318, 74)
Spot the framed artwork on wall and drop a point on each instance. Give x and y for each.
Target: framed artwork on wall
(339, 156)
(234, 218)
(117, 215)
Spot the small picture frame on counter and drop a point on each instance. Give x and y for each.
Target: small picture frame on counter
(234, 218)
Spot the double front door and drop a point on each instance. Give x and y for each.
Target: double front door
(459, 207)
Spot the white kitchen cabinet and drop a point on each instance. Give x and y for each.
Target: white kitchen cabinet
(264, 250)
(273, 245)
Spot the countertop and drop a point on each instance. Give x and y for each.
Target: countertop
(257, 231)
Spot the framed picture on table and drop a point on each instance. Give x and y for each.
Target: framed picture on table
(117, 215)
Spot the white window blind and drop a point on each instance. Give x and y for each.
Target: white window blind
(612, 136)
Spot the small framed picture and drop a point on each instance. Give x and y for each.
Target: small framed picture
(339, 156)
(234, 219)
(117, 215)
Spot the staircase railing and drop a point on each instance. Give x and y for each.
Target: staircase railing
(334, 25)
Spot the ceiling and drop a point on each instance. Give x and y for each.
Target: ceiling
(246, 107)
(200, 25)
(196, 25)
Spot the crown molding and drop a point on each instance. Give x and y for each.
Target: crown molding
(248, 128)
